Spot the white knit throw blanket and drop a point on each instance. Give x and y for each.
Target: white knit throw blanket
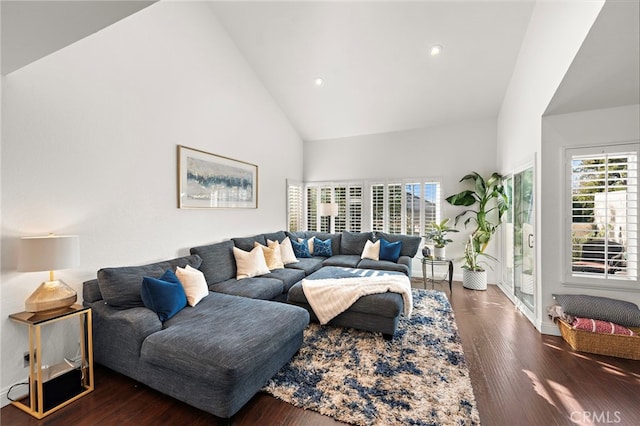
(330, 297)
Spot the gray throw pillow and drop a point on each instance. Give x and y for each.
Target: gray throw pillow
(600, 308)
(120, 287)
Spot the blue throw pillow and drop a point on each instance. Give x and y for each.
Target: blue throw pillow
(165, 295)
(322, 248)
(301, 250)
(390, 251)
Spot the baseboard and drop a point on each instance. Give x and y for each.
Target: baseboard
(4, 400)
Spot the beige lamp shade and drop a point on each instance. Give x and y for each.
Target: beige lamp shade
(328, 209)
(49, 253)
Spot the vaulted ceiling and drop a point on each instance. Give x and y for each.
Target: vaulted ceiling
(373, 57)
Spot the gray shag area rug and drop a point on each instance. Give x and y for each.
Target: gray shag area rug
(419, 378)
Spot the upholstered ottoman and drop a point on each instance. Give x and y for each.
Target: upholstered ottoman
(374, 312)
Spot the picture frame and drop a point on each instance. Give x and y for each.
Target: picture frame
(210, 181)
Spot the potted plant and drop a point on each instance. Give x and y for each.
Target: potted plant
(490, 202)
(438, 235)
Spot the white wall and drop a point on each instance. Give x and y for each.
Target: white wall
(446, 153)
(558, 133)
(89, 148)
(554, 36)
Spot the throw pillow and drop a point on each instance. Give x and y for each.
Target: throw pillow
(271, 255)
(602, 308)
(309, 242)
(371, 250)
(390, 251)
(194, 284)
(301, 250)
(250, 263)
(286, 251)
(165, 295)
(322, 248)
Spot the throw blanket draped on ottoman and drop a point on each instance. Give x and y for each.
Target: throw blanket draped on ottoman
(331, 297)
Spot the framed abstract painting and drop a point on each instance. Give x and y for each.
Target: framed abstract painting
(209, 181)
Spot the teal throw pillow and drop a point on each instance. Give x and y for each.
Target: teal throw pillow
(390, 251)
(301, 250)
(165, 295)
(322, 248)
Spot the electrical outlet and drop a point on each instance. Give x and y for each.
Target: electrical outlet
(25, 359)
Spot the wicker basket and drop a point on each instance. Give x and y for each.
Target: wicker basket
(617, 345)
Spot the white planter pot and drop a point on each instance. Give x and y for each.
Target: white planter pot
(474, 280)
(439, 252)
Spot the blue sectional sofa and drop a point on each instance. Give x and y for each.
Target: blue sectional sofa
(216, 355)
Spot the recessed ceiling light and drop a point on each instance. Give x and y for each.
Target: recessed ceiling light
(318, 81)
(435, 50)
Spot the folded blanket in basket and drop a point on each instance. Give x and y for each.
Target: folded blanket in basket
(330, 297)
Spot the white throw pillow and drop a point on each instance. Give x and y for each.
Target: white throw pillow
(286, 251)
(371, 250)
(271, 255)
(194, 283)
(250, 263)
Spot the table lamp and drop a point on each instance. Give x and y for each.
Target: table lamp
(49, 253)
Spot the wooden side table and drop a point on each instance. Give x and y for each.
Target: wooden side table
(437, 261)
(55, 387)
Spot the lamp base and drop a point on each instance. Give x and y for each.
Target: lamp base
(51, 296)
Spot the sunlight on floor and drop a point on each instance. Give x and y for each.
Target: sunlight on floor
(558, 396)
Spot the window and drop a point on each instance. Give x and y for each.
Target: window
(348, 196)
(406, 207)
(603, 226)
(295, 218)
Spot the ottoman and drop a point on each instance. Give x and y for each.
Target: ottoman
(374, 312)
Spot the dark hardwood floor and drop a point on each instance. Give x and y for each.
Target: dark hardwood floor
(519, 376)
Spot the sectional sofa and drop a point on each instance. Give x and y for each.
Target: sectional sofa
(217, 354)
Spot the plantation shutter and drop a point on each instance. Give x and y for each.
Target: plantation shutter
(295, 219)
(604, 212)
(312, 208)
(395, 208)
(355, 208)
(377, 207)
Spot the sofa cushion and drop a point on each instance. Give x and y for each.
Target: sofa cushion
(254, 288)
(353, 242)
(246, 243)
(308, 265)
(410, 243)
(227, 341)
(165, 295)
(218, 263)
(390, 251)
(120, 287)
(194, 284)
(288, 277)
(383, 265)
(278, 236)
(343, 260)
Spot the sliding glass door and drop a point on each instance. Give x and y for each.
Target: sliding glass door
(518, 266)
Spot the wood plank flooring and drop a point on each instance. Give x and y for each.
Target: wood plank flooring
(519, 376)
